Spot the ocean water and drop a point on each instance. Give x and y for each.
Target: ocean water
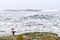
(29, 21)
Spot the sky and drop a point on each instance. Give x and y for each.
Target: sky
(29, 4)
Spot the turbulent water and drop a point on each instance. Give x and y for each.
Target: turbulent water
(29, 21)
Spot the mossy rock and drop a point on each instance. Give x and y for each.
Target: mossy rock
(38, 36)
(33, 36)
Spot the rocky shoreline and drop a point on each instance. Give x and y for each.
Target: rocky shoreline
(33, 36)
